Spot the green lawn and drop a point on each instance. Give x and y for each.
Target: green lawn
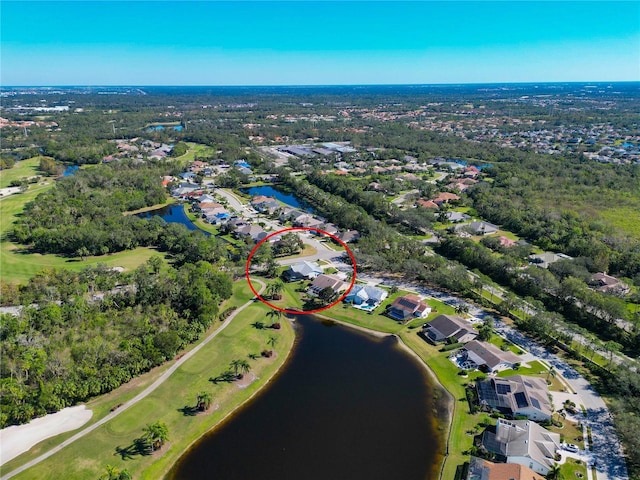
(197, 150)
(86, 459)
(464, 425)
(22, 169)
(535, 368)
(571, 468)
(624, 218)
(19, 266)
(498, 341)
(375, 320)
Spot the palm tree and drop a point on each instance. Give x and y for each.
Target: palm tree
(462, 309)
(244, 367)
(112, 473)
(274, 289)
(235, 366)
(277, 314)
(554, 473)
(156, 433)
(204, 401)
(551, 373)
(272, 342)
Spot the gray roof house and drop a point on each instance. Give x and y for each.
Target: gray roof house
(488, 357)
(326, 281)
(517, 395)
(523, 442)
(256, 233)
(478, 228)
(450, 326)
(457, 217)
(543, 260)
(302, 271)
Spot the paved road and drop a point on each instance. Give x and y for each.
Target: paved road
(607, 451)
(323, 252)
(137, 398)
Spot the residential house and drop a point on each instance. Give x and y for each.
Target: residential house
(488, 357)
(480, 469)
(327, 227)
(366, 297)
(205, 198)
(543, 260)
(292, 215)
(445, 327)
(607, 284)
(408, 307)
(523, 442)
(265, 204)
(307, 221)
(516, 396)
(327, 281)
(456, 217)
(445, 197)
(349, 236)
(302, 271)
(427, 204)
(255, 232)
(478, 228)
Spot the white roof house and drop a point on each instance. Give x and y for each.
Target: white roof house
(366, 296)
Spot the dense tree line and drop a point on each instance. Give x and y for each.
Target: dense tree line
(83, 214)
(83, 334)
(381, 248)
(559, 292)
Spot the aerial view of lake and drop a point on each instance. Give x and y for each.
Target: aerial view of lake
(172, 214)
(346, 406)
(286, 198)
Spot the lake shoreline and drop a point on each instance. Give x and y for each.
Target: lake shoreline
(167, 474)
(450, 399)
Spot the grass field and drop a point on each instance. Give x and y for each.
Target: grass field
(197, 150)
(22, 169)
(17, 266)
(87, 458)
(624, 218)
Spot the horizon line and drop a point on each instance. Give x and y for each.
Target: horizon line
(302, 85)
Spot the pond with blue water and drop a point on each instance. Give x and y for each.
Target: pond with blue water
(286, 198)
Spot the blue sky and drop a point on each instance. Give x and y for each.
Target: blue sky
(316, 43)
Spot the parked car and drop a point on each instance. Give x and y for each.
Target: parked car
(570, 447)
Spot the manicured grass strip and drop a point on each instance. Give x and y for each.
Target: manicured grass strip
(18, 265)
(22, 169)
(87, 459)
(196, 150)
(464, 425)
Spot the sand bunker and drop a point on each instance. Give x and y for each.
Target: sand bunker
(18, 439)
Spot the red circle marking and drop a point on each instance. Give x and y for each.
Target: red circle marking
(300, 312)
